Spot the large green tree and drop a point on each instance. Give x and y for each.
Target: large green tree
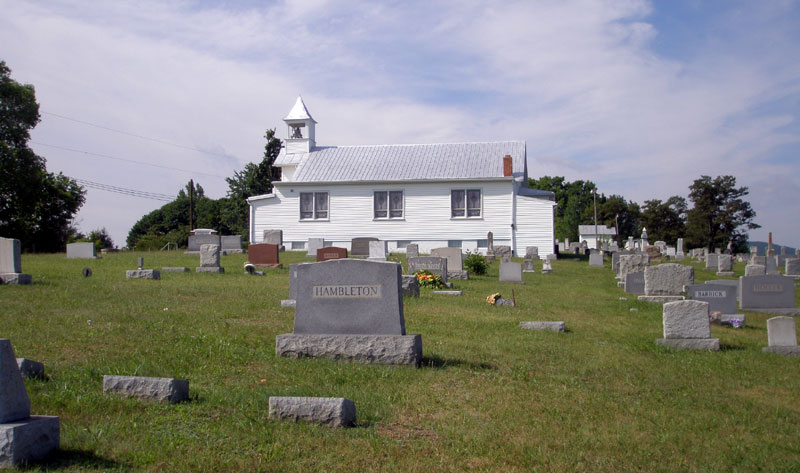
(665, 221)
(574, 203)
(254, 179)
(719, 214)
(616, 212)
(36, 207)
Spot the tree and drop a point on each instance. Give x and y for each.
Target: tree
(574, 203)
(615, 212)
(36, 207)
(665, 221)
(252, 180)
(719, 214)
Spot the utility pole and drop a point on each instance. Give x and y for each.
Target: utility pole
(191, 204)
(596, 236)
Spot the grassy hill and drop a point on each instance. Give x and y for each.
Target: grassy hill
(489, 396)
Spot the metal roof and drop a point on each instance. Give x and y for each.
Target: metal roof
(406, 162)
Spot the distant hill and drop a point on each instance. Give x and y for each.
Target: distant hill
(762, 247)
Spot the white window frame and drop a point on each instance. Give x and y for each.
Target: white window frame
(314, 217)
(466, 215)
(388, 193)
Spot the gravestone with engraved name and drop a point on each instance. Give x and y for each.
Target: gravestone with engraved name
(720, 298)
(23, 438)
(331, 252)
(547, 267)
(412, 250)
(679, 254)
(313, 245)
(11, 262)
(359, 247)
(501, 251)
(433, 264)
(350, 309)
(264, 255)
(770, 294)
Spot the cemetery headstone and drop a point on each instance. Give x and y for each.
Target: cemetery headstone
(782, 336)
(331, 252)
(753, 251)
(634, 282)
(198, 240)
(679, 253)
(760, 260)
(231, 244)
(152, 389)
(712, 261)
(501, 251)
(11, 262)
(770, 294)
(410, 285)
(511, 272)
(557, 326)
(686, 326)
(725, 265)
(333, 411)
(632, 263)
(377, 250)
(350, 309)
(359, 247)
(665, 282)
(596, 259)
(81, 250)
(671, 253)
(23, 438)
(792, 268)
(313, 245)
(490, 247)
(755, 270)
(412, 250)
(772, 266)
(531, 252)
(273, 237)
(433, 264)
(720, 298)
(140, 274)
(454, 257)
(528, 266)
(615, 259)
(209, 260)
(547, 267)
(265, 255)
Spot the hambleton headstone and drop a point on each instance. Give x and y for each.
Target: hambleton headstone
(350, 309)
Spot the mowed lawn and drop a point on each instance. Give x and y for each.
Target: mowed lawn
(602, 397)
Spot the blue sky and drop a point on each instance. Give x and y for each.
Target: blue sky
(640, 97)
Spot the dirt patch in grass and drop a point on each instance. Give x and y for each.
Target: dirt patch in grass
(404, 432)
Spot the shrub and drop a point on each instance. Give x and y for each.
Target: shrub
(475, 263)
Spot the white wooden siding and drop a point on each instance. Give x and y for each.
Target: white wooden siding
(534, 224)
(427, 214)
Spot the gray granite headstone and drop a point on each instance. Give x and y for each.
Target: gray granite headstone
(14, 402)
(359, 247)
(335, 412)
(712, 261)
(209, 256)
(412, 250)
(596, 259)
(314, 244)
(10, 255)
(347, 296)
(686, 319)
(781, 332)
(792, 267)
(634, 282)
(755, 270)
(502, 250)
(632, 263)
(615, 258)
(196, 241)
(772, 266)
(454, 257)
(766, 292)
(154, 389)
(725, 263)
(668, 279)
(377, 250)
(511, 272)
(81, 250)
(231, 243)
(273, 237)
(760, 260)
(720, 298)
(528, 266)
(547, 267)
(531, 252)
(429, 263)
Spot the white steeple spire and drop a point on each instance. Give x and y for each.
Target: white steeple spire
(300, 138)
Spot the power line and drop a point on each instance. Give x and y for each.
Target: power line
(124, 191)
(124, 159)
(141, 137)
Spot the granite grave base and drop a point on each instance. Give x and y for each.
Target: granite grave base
(143, 274)
(711, 344)
(27, 440)
(549, 326)
(460, 275)
(16, 278)
(379, 349)
(333, 411)
(175, 269)
(208, 269)
(785, 351)
(660, 299)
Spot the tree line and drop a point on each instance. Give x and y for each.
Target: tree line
(718, 214)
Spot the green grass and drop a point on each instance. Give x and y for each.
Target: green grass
(602, 397)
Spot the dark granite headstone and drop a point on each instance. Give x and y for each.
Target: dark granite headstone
(766, 292)
(348, 296)
(720, 298)
(195, 241)
(265, 254)
(359, 247)
(634, 282)
(331, 252)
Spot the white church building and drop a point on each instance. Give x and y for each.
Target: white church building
(434, 195)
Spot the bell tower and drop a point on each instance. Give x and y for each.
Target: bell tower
(300, 138)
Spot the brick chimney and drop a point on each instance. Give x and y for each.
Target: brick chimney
(508, 166)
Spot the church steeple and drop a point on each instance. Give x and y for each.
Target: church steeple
(301, 129)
